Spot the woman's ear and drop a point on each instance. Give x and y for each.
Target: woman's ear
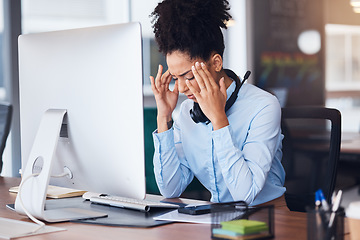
(217, 62)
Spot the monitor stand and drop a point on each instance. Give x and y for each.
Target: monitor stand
(34, 185)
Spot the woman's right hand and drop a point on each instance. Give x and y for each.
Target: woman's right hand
(166, 99)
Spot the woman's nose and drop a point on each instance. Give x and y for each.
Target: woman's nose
(182, 86)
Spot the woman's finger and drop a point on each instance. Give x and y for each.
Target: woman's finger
(176, 87)
(223, 87)
(203, 75)
(198, 77)
(167, 79)
(192, 89)
(158, 76)
(153, 87)
(206, 73)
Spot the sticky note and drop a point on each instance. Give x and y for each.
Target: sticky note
(244, 226)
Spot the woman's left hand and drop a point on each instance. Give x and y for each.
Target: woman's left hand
(211, 95)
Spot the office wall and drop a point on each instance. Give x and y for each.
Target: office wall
(280, 64)
(340, 12)
(12, 28)
(343, 62)
(235, 39)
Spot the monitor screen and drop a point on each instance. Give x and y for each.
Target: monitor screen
(95, 74)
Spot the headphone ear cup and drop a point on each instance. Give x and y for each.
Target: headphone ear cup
(193, 116)
(197, 114)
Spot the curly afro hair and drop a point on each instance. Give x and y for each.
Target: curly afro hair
(191, 26)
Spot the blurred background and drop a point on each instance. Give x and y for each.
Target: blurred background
(306, 52)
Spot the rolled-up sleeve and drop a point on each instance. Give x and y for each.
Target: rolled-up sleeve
(171, 172)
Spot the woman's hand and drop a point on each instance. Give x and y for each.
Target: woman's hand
(211, 96)
(166, 99)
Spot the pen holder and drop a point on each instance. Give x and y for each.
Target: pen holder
(238, 221)
(318, 225)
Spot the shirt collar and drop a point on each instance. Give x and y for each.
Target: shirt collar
(230, 89)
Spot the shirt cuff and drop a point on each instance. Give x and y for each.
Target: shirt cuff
(222, 138)
(164, 139)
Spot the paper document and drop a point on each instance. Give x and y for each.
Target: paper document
(175, 216)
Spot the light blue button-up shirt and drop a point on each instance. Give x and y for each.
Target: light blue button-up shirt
(241, 161)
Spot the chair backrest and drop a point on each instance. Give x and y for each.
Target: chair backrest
(5, 123)
(311, 148)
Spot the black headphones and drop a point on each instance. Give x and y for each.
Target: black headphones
(197, 114)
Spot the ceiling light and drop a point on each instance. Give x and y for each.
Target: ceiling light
(355, 3)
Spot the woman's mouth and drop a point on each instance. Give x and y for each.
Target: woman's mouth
(190, 96)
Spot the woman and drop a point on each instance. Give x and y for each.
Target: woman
(229, 140)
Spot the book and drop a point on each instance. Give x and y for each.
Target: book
(244, 226)
(57, 192)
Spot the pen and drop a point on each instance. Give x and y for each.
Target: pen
(176, 203)
(319, 216)
(320, 212)
(335, 207)
(317, 201)
(324, 203)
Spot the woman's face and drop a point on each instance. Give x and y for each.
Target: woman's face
(179, 66)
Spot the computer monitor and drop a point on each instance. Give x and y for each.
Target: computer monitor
(88, 83)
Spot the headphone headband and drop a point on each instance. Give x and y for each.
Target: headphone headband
(234, 95)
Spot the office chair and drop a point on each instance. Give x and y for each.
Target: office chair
(310, 153)
(5, 123)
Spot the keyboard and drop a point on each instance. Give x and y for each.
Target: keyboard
(131, 203)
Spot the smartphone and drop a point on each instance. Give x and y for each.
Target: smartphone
(195, 210)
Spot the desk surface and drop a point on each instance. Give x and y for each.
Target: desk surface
(288, 225)
(350, 143)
